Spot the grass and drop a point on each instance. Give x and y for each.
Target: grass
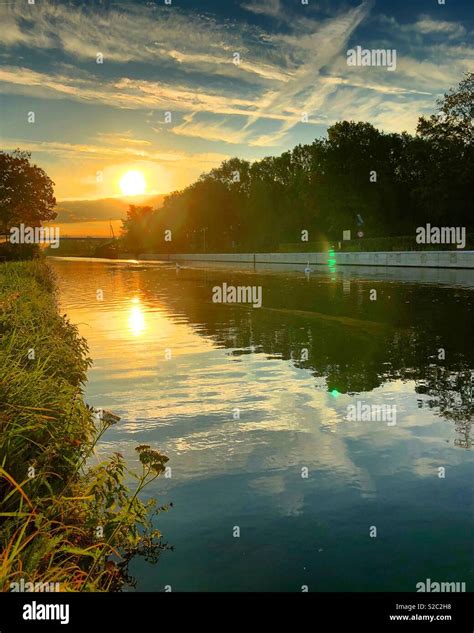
(60, 521)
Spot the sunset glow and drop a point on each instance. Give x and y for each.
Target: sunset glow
(133, 183)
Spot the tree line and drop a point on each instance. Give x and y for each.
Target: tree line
(358, 178)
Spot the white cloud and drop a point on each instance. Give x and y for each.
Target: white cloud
(88, 150)
(122, 138)
(306, 92)
(281, 76)
(122, 93)
(135, 33)
(210, 130)
(427, 25)
(264, 7)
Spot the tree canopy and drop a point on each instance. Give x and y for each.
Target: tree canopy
(455, 119)
(26, 192)
(356, 178)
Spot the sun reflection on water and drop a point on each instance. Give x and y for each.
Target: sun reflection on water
(136, 319)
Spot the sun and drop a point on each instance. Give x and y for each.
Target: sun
(133, 183)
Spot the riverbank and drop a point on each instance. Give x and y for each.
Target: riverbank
(60, 522)
(331, 259)
(455, 259)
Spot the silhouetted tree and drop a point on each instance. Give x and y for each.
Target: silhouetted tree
(26, 192)
(454, 121)
(136, 228)
(386, 184)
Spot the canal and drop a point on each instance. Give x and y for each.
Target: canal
(275, 487)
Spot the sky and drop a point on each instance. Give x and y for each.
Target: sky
(236, 78)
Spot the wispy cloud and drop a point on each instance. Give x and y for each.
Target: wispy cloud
(264, 7)
(123, 138)
(427, 26)
(183, 63)
(121, 93)
(148, 34)
(212, 131)
(101, 151)
(306, 91)
(292, 61)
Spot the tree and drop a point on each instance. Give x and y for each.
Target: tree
(136, 228)
(357, 177)
(26, 192)
(455, 118)
(446, 177)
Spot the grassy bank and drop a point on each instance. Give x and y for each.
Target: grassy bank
(60, 522)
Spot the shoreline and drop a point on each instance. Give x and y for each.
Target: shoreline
(438, 260)
(390, 259)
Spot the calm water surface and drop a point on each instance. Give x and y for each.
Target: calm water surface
(247, 472)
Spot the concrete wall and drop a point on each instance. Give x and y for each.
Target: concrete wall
(418, 259)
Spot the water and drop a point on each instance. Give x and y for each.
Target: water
(244, 468)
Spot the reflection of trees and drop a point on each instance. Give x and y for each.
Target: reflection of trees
(451, 392)
(354, 344)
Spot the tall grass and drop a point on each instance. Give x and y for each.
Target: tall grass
(60, 522)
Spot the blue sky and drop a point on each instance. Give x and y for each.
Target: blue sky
(110, 117)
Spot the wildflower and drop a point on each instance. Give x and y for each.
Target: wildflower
(110, 418)
(152, 457)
